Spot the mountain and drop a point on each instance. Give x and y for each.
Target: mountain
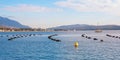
(86, 27)
(4, 21)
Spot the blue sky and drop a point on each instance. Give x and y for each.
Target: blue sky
(50, 13)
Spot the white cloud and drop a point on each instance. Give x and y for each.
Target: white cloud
(108, 6)
(30, 8)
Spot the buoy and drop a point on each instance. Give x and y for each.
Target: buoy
(117, 37)
(95, 39)
(89, 37)
(101, 40)
(83, 35)
(113, 36)
(76, 44)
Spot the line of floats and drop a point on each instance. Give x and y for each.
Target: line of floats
(88, 37)
(16, 36)
(51, 37)
(112, 36)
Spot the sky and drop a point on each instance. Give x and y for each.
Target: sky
(51, 13)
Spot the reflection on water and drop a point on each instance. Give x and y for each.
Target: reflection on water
(39, 47)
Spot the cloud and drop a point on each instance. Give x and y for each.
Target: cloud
(30, 8)
(108, 6)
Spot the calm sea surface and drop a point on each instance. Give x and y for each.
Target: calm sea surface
(39, 47)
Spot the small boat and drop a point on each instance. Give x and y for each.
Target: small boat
(98, 31)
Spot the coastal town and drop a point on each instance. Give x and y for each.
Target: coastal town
(8, 29)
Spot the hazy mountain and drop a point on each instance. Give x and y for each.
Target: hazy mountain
(87, 27)
(4, 21)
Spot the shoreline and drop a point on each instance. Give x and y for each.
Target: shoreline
(57, 31)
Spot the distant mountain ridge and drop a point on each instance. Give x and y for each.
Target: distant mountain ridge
(87, 27)
(4, 21)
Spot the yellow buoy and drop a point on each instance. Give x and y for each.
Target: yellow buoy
(76, 44)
